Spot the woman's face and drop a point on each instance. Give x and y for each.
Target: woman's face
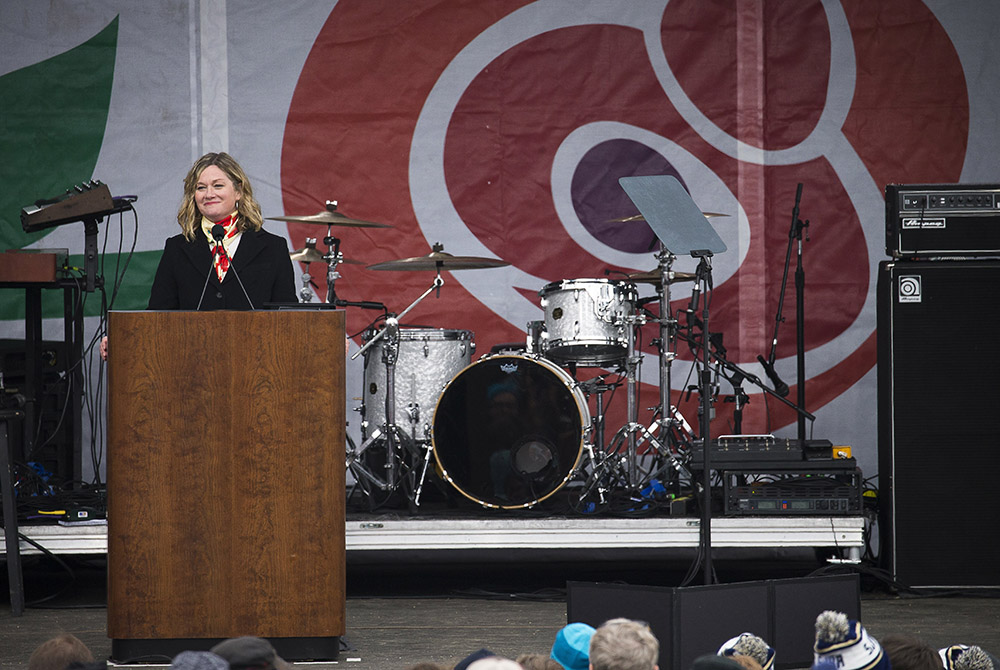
(215, 194)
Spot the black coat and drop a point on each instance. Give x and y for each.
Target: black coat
(261, 261)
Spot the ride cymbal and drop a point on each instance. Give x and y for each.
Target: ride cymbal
(328, 218)
(640, 217)
(439, 260)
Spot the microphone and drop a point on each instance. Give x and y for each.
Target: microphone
(211, 266)
(218, 232)
(695, 293)
(780, 387)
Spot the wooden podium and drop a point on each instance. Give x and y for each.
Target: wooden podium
(226, 481)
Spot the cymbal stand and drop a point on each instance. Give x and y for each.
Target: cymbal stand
(389, 432)
(632, 361)
(671, 422)
(332, 257)
(305, 293)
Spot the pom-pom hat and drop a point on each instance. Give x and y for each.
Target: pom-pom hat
(847, 644)
(748, 644)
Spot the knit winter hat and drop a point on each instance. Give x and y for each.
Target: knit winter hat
(571, 648)
(198, 660)
(847, 643)
(753, 646)
(964, 657)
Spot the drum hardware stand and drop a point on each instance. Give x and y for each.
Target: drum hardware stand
(670, 418)
(306, 293)
(390, 432)
(596, 386)
(633, 433)
(332, 258)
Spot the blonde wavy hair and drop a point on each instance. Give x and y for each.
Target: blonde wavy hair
(247, 208)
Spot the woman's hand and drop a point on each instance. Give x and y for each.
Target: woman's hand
(104, 348)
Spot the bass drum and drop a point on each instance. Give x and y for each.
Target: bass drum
(509, 430)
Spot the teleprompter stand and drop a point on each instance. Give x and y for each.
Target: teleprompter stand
(683, 230)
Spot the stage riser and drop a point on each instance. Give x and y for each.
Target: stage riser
(370, 536)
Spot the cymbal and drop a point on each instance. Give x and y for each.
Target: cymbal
(654, 277)
(328, 218)
(439, 260)
(640, 217)
(313, 255)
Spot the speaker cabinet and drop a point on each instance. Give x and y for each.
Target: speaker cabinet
(939, 405)
(691, 621)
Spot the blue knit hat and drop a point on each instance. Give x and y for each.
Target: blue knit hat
(847, 643)
(572, 646)
(748, 644)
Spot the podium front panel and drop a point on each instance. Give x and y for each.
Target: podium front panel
(226, 474)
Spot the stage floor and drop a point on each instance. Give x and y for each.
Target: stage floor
(400, 614)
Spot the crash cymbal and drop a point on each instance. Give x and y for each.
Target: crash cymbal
(654, 277)
(439, 260)
(313, 255)
(329, 218)
(640, 217)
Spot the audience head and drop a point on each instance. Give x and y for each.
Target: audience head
(571, 646)
(622, 644)
(473, 657)
(250, 653)
(538, 662)
(198, 660)
(494, 663)
(846, 644)
(749, 646)
(965, 657)
(909, 653)
(59, 652)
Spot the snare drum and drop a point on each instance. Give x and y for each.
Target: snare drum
(428, 359)
(585, 320)
(509, 430)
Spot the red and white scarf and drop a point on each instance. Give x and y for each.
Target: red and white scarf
(220, 259)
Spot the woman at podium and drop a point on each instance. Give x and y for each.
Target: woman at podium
(223, 258)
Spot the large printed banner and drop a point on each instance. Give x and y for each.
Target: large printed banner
(500, 129)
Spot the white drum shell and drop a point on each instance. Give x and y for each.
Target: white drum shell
(586, 320)
(428, 359)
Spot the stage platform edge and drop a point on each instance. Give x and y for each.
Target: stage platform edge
(390, 535)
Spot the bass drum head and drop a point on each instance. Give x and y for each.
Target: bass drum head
(508, 430)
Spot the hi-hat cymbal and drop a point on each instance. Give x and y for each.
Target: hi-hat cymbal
(439, 260)
(654, 277)
(328, 218)
(313, 255)
(640, 217)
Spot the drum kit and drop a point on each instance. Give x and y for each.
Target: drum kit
(514, 427)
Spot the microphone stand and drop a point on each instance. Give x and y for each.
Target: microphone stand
(704, 275)
(781, 389)
(800, 315)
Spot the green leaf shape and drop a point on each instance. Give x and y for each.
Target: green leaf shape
(132, 295)
(51, 129)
